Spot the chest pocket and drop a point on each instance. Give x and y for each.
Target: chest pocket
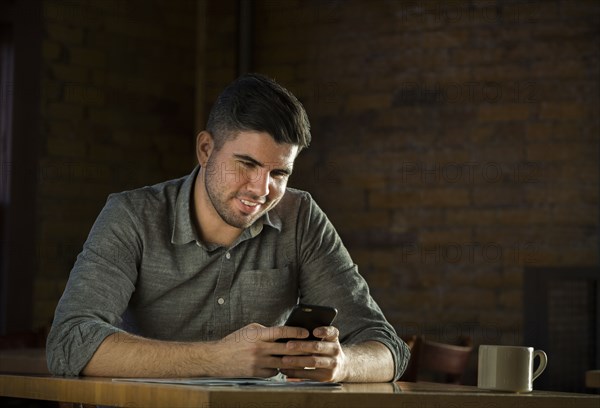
(266, 295)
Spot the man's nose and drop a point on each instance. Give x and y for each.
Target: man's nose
(258, 182)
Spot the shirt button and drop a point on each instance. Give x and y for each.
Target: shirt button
(228, 255)
(220, 301)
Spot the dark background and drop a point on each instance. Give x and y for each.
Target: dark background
(455, 144)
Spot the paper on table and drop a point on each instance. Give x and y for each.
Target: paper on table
(233, 381)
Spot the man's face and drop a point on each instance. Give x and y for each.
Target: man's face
(248, 176)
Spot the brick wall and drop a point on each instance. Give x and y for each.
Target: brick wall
(455, 144)
(118, 109)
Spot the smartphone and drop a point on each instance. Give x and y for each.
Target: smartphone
(309, 317)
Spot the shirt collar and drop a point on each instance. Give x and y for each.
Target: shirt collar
(184, 230)
(272, 219)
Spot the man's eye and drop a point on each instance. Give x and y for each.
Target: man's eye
(279, 174)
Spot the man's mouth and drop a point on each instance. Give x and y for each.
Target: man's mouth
(249, 203)
(250, 206)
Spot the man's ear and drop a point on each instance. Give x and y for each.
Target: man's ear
(205, 145)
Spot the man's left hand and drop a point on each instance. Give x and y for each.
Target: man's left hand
(323, 360)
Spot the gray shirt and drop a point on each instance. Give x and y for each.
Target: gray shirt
(144, 270)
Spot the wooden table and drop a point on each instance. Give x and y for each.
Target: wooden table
(104, 391)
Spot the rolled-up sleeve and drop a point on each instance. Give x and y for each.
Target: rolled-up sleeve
(329, 276)
(98, 290)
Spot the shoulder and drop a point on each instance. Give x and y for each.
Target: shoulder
(293, 194)
(153, 194)
(148, 198)
(299, 207)
(295, 200)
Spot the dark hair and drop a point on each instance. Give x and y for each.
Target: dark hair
(255, 102)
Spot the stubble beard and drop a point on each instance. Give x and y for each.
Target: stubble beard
(220, 200)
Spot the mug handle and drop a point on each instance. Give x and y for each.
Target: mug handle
(542, 365)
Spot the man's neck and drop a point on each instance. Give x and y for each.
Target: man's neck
(211, 227)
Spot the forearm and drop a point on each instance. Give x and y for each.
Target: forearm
(368, 362)
(125, 355)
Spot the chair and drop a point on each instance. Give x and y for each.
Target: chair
(437, 362)
(413, 343)
(592, 379)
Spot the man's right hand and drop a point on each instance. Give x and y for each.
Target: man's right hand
(252, 351)
(248, 352)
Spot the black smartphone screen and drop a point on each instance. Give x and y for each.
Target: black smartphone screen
(310, 317)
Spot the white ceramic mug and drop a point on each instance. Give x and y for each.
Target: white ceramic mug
(509, 368)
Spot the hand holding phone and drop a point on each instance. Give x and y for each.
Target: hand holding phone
(310, 317)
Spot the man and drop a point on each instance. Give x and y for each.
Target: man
(195, 276)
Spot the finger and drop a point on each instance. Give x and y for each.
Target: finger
(288, 332)
(313, 347)
(253, 333)
(256, 332)
(315, 375)
(301, 362)
(280, 350)
(273, 362)
(300, 373)
(327, 333)
(250, 332)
